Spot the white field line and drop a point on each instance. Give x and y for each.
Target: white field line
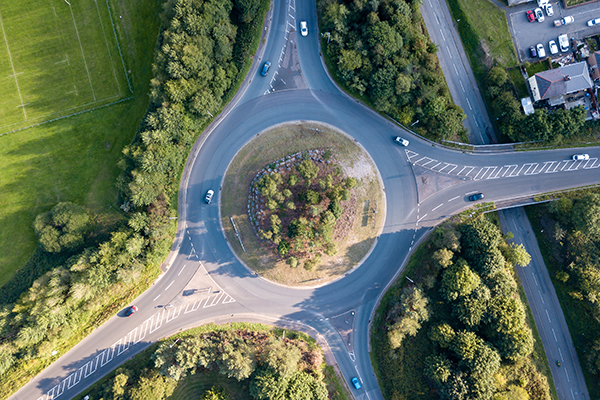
(82, 53)
(13, 67)
(112, 64)
(118, 46)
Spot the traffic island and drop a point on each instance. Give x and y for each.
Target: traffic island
(302, 204)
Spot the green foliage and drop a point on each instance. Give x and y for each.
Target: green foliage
(585, 215)
(308, 170)
(215, 393)
(438, 368)
(283, 248)
(458, 281)
(62, 228)
(336, 209)
(292, 262)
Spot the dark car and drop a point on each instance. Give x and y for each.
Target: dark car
(130, 311)
(265, 68)
(476, 196)
(530, 16)
(532, 52)
(356, 383)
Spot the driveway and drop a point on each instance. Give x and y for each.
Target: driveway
(526, 34)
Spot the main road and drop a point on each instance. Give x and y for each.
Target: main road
(205, 282)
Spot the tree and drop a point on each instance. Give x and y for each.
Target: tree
(585, 215)
(442, 334)
(458, 280)
(303, 386)
(308, 170)
(447, 237)
(215, 393)
(497, 76)
(62, 228)
(281, 357)
(518, 255)
(267, 385)
(471, 309)
(442, 258)
(152, 386)
(438, 368)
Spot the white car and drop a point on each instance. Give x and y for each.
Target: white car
(581, 157)
(593, 22)
(553, 47)
(208, 196)
(540, 50)
(401, 141)
(549, 10)
(539, 15)
(303, 28)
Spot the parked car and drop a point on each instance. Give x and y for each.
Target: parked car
(539, 15)
(401, 141)
(581, 157)
(265, 68)
(553, 47)
(549, 10)
(532, 52)
(356, 383)
(593, 22)
(303, 28)
(541, 51)
(130, 311)
(208, 196)
(476, 196)
(563, 41)
(530, 16)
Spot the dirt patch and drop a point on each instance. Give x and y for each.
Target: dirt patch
(361, 225)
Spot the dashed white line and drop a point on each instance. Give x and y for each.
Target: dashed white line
(469, 103)
(536, 284)
(419, 220)
(567, 373)
(541, 297)
(554, 333)
(443, 37)
(454, 198)
(438, 207)
(449, 52)
(182, 268)
(561, 356)
(169, 285)
(462, 86)
(548, 315)
(455, 69)
(156, 297)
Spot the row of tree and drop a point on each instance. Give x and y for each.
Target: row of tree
(470, 310)
(275, 368)
(541, 125)
(575, 232)
(379, 50)
(197, 63)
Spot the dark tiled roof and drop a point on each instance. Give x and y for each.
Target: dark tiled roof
(568, 79)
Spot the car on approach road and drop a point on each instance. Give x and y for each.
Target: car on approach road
(539, 15)
(476, 196)
(130, 311)
(303, 28)
(208, 196)
(581, 157)
(593, 22)
(265, 68)
(401, 141)
(356, 383)
(553, 47)
(541, 51)
(532, 52)
(530, 16)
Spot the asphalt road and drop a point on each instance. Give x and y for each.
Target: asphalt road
(527, 34)
(206, 282)
(547, 313)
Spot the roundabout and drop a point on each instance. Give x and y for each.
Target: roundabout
(222, 289)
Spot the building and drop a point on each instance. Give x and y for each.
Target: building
(593, 62)
(554, 84)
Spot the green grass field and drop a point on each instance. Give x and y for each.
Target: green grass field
(72, 159)
(56, 59)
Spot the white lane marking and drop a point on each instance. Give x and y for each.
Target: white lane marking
(156, 297)
(430, 5)
(536, 284)
(182, 268)
(554, 333)
(419, 220)
(169, 285)
(462, 86)
(455, 69)
(454, 198)
(548, 315)
(561, 356)
(469, 103)
(352, 356)
(572, 395)
(541, 297)
(443, 37)
(438, 207)
(567, 373)
(449, 52)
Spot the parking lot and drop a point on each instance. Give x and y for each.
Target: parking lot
(526, 34)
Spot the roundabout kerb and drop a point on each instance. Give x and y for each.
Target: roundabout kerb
(280, 147)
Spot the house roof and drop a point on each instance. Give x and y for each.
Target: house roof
(592, 61)
(557, 82)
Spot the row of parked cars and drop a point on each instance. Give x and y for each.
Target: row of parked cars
(537, 14)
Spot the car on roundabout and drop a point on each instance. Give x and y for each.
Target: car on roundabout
(356, 383)
(476, 196)
(401, 141)
(303, 28)
(581, 157)
(130, 311)
(208, 197)
(265, 68)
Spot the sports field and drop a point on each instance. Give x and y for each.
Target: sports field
(57, 57)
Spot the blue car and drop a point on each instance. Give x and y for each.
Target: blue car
(356, 383)
(476, 197)
(265, 68)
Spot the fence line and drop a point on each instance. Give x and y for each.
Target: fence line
(119, 47)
